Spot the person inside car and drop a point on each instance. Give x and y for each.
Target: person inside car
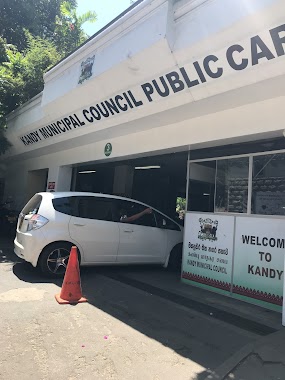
(129, 219)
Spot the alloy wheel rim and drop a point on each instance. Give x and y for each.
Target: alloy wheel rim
(57, 260)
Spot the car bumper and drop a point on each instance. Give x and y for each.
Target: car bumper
(28, 247)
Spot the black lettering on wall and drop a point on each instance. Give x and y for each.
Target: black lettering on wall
(95, 113)
(230, 52)
(148, 90)
(187, 79)
(112, 106)
(106, 113)
(212, 74)
(122, 107)
(48, 130)
(257, 43)
(128, 100)
(199, 72)
(277, 40)
(60, 127)
(27, 139)
(162, 92)
(23, 140)
(175, 81)
(64, 123)
(137, 103)
(74, 122)
(43, 132)
(54, 129)
(37, 134)
(68, 123)
(78, 120)
(87, 117)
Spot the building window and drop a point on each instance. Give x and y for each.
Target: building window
(201, 186)
(221, 185)
(268, 185)
(232, 185)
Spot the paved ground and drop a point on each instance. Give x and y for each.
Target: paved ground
(139, 324)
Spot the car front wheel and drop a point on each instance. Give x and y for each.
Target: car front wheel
(54, 258)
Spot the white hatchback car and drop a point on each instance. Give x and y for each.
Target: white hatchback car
(106, 230)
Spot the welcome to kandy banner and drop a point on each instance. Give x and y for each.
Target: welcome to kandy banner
(239, 256)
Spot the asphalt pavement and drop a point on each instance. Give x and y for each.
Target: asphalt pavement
(139, 323)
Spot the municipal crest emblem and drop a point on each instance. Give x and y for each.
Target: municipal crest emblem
(208, 229)
(86, 69)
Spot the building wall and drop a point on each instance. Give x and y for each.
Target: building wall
(182, 45)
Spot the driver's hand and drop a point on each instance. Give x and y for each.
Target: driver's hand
(148, 210)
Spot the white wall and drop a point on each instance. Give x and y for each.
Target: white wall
(145, 46)
(150, 42)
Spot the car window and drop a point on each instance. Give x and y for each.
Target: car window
(95, 208)
(166, 223)
(126, 209)
(66, 205)
(32, 207)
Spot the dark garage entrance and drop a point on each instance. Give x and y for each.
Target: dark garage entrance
(159, 181)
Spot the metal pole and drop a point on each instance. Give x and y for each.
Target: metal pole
(187, 180)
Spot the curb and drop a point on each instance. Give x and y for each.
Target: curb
(256, 347)
(224, 369)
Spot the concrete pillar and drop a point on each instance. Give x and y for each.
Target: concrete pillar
(59, 178)
(123, 180)
(36, 182)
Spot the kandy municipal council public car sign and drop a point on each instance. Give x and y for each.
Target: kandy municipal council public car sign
(260, 48)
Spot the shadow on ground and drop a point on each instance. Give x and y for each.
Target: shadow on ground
(200, 338)
(7, 254)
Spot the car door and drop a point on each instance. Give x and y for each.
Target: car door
(173, 230)
(141, 241)
(94, 228)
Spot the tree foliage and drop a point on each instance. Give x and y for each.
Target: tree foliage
(37, 16)
(68, 31)
(21, 73)
(34, 36)
(180, 205)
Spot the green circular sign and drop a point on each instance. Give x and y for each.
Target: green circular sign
(108, 149)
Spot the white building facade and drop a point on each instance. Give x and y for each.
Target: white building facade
(204, 78)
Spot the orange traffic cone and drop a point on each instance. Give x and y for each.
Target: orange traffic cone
(71, 288)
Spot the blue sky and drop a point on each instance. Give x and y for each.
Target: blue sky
(106, 11)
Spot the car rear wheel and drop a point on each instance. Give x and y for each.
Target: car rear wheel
(54, 258)
(175, 259)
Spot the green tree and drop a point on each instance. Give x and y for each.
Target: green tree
(39, 56)
(180, 205)
(37, 16)
(34, 36)
(21, 75)
(68, 31)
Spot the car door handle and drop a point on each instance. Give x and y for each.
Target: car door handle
(79, 224)
(128, 230)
